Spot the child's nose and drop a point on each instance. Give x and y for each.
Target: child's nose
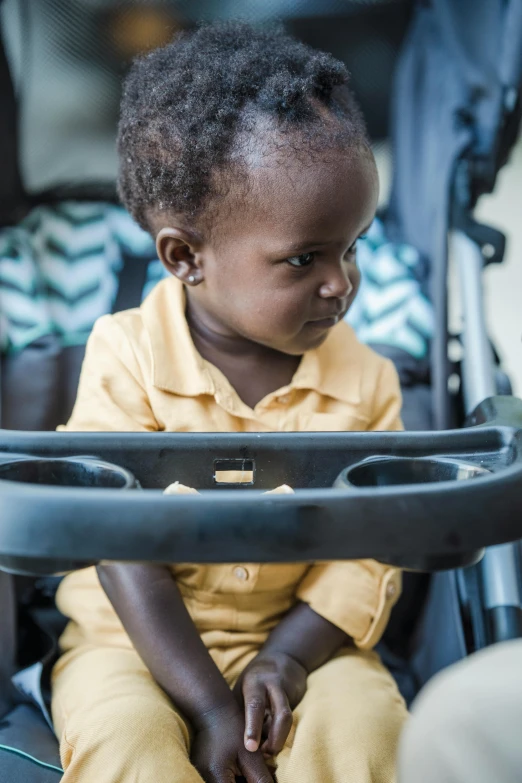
(338, 285)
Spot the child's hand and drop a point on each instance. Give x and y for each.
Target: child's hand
(218, 750)
(273, 684)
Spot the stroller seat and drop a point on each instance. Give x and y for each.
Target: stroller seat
(28, 747)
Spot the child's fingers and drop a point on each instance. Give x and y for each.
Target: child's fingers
(282, 719)
(222, 776)
(255, 698)
(179, 489)
(266, 725)
(254, 768)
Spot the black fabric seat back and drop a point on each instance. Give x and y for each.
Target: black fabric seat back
(12, 196)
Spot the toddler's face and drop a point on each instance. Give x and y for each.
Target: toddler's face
(281, 269)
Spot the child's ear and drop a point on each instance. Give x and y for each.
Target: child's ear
(177, 250)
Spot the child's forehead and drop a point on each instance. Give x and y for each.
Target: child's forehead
(306, 175)
(302, 198)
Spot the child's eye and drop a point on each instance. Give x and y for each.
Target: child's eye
(305, 259)
(353, 248)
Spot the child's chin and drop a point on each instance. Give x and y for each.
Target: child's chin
(305, 341)
(312, 340)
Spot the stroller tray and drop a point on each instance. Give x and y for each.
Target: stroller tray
(419, 500)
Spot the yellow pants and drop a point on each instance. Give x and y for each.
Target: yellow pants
(117, 726)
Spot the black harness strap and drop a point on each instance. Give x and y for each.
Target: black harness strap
(12, 196)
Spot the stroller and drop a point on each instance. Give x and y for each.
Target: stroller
(456, 114)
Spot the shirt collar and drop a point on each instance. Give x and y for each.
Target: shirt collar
(333, 369)
(177, 367)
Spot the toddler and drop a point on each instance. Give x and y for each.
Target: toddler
(245, 156)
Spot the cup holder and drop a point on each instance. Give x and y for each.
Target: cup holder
(67, 472)
(401, 471)
(408, 471)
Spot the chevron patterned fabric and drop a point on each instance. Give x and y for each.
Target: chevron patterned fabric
(392, 307)
(59, 272)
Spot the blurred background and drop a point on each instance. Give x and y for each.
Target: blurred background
(67, 58)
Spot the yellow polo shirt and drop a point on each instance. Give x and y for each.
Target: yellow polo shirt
(142, 372)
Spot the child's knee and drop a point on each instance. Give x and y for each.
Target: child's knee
(341, 726)
(373, 723)
(140, 725)
(126, 738)
(339, 741)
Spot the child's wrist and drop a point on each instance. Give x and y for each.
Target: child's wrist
(277, 655)
(215, 714)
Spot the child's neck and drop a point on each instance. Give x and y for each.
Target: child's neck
(252, 369)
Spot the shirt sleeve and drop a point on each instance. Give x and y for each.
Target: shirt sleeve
(358, 595)
(355, 595)
(111, 393)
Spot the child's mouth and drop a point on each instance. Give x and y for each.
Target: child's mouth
(325, 323)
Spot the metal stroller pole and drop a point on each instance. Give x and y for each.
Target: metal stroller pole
(478, 376)
(500, 566)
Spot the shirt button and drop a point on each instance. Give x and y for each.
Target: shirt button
(391, 590)
(241, 573)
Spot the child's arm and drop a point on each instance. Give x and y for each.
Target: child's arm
(113, 396)
(340, 603)
(276, 678)
(149, 604)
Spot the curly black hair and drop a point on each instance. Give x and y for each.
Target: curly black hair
(184, 106)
